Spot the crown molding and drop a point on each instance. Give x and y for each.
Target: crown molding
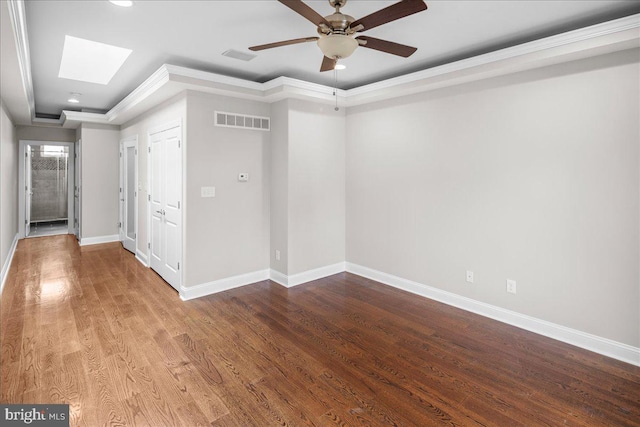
(19, 24)
(158, 79)
(73, 119)
(611, 36)
(170, 80)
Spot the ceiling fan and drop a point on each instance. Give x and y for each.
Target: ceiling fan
(337, 32)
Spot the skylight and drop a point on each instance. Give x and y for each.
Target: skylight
(89, 61)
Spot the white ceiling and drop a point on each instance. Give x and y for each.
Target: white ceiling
(194, 34)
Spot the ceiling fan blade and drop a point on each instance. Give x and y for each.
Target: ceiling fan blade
(328, 64)
(387, 46)
(284, 43)
(303, 9)
(391, 13)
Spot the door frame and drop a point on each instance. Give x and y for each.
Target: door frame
(77, 160)
(23, 143)
(128, 142)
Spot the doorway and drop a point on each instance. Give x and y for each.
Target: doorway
(129, 193)
(46, 204)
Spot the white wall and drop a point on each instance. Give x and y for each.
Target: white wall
(532, 177)
(169, 111)
(100, 181)
(227, 235)
(8, 186)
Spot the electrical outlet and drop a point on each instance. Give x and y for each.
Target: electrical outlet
(511, 286)
(277, 255)
(469, 276)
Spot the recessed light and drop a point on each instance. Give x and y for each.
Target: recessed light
(74, 98)
(340, 67)
(89, 61)
(123, 3)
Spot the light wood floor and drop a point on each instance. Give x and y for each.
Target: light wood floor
(93, 328)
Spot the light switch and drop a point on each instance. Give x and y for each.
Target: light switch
(207, 191)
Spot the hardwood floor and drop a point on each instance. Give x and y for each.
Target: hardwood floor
(93, 328)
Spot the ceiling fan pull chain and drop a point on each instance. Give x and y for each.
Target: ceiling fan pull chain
(335, 87)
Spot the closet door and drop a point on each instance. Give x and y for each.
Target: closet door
(171, 214)
(165, 182)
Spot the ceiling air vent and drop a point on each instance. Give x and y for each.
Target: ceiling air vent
(241, 121)
(242, 56)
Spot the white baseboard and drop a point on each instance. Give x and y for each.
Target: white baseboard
(604, 346)
(279, 278)
(307, 276)
(142, 257)
(7, 262)
(191, 292)
(85, 241)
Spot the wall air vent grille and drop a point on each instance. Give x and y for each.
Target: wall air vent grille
(242, 121)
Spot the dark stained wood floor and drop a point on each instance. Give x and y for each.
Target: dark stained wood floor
(93, 328)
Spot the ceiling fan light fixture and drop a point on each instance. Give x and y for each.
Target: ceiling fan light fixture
(337, 46)
(340, 67)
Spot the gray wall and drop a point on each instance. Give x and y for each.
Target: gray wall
(39, 133)
(279, 192)
(227, 235)
(307, 186)
(100, 180)
(316, 214)
(8, 184)
(532, 177)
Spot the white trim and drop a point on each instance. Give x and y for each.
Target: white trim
(191, 292)
(604, 346)
(19, 23)
(154, 82)
(536, 46)
(307, 276)
(279, 278)
(7, 264)
(172, 124)
(85, 241)
(142, 257)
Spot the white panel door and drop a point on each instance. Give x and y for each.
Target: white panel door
(156, 258)
(171, 208)
(165, 163)
(128, 193)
